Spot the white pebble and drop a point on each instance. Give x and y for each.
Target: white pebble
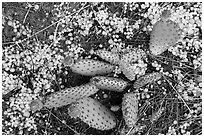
(37, 7)
(10, 23)
(105, 96)
(51, 37)
(26, 114)
(115, 108)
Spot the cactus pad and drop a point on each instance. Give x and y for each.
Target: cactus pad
(129, 63)
(164, 35)
(148, 78)
(89, 67)
(69, 95)
(109, 56)
(132, 55)
(109, 83)
(93, 113)
(130, 109)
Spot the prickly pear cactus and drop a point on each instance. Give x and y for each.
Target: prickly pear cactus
(109, 83)
(164, 35)
(148, 78)
(67, 96)
(130, 109)
(64, 97)
(109, 56)
(132, 55)
(132, 63)
(89, 67)
(93, 113)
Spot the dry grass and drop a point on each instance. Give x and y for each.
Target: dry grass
(56, 121)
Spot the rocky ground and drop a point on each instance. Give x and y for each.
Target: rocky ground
(38, 37)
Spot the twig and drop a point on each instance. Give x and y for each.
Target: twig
(6, 43)
(177, 93)
(26, 15)
(170, 60)
(130, 130)
(55, 34)
(47, 27)
(48, 121)
(65, 124)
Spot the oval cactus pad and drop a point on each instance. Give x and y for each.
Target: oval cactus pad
(109, 83)
(109, 56)
(163, 35)
(89, 67)
(93, 113)
(148, 78)
(130, 109)
(69, 95)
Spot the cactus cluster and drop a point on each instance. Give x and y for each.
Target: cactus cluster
(131, 62)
